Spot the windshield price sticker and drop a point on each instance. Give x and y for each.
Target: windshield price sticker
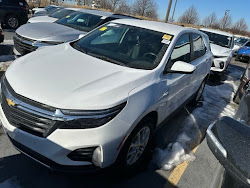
(112, 25)
(165, 41)
(103, 28)
(68, 16)
(104, 17)
(167, 37)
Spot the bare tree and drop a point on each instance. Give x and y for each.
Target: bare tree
(105, 4)
(240, 25)
(115, 3)
(146, 8)
(84, 2)
(211, 20)
(190, 16)
(124, 8)
(226, 21)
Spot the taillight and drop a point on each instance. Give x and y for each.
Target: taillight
(24, 8)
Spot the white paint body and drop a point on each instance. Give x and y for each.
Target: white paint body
(65, 78)
(42, 19)
(221, 54)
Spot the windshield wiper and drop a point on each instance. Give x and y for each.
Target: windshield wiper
(78, 47)
(107, 59)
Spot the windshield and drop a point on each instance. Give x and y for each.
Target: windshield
(81, 21)
(48, 8)
(54, 10)
(125, 45)
(221, 40)
(61, 13)
(240, 41)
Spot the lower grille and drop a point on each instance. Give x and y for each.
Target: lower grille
(23, 47)
(26, 121)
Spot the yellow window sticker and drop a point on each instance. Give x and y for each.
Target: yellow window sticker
(167, 37)
(103, 28)
(68, 16)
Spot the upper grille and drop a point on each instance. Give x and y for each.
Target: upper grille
(23, 45)
(24, 118)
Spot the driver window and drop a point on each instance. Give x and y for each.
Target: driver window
(182, 50)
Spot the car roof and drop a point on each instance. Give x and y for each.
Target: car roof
(217, 32)
(153, 25)
(97, 12)
(76, 9)
(105, 14)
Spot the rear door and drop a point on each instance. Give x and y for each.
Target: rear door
(200, 59)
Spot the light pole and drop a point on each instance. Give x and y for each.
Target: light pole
(168, 11)
(225, 19)
(174, 9)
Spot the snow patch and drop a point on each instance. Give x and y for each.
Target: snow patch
(216, 104)
(10, 183)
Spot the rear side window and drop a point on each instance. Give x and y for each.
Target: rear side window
(13, 2)
(199, 46)
(248, 44)
(182, 50)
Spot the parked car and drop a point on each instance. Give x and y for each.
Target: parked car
(54, 16)
(222, 47)
(47, 10)
(244, 83)
(13, 13)
(32, 36)
(238, 42)
(96, 101)
(1, 34)
(229, 141)
(244, 52)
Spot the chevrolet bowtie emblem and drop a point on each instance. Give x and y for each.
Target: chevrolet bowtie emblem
(10, 102)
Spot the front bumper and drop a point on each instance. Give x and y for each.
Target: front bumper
(53, 150)
(220, 64)
(23, 46)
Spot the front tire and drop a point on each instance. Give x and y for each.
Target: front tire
(136, 151)
(198, 94)
(12, 22)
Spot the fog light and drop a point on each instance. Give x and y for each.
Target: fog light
(97, 157)
(221, 65)
(83, 154)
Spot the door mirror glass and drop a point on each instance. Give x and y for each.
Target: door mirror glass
(229, 141)
(182, 67)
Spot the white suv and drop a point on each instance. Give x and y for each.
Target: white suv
(222, 44)
(97, 101)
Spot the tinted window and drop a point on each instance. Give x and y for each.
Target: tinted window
(199, 46)
(124, 45)
(182, 50)
(82, 21)
(220, 40)
(248, 44)
(61, 13)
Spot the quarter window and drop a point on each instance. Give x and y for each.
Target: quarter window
(182, 50)
(248, 44)
(199, 46)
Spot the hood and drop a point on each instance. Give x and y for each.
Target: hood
(220, 51)
(42, 19)
(65, 78)
(48, 32)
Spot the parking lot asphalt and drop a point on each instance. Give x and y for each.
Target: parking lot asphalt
(16, 170)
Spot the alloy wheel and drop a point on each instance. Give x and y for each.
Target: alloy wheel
(138, 145)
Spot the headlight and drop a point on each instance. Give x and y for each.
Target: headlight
(51, 42)
(84, 119)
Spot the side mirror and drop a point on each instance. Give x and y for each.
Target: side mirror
(81, 35)
(181, 67)
(229, 140)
